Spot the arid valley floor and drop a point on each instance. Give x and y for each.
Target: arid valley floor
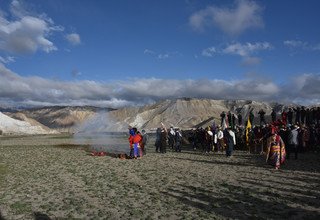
(48, 177)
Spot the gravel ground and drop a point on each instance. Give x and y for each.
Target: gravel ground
(50, 177)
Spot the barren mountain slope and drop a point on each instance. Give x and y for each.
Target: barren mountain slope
(61, 118)
(9, 125)
(22, 117)
(187, 113)
(184, 113)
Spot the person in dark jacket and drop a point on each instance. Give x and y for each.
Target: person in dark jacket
(178, 140)
(239, 119)
(163, 139)
(262, 118)
(230, 139)
(158, 140)
(290, 116)
(273, 115)
(144, 142)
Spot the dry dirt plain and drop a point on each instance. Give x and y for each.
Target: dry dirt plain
(48, 177)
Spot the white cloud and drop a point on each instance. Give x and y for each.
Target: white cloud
(18, 9)
(25, 32)
(294, 43)
(147, 51)
(161, 56)
(244, 50)
(73, 38)
(8, 59)
(40, 91)
(247, 48)
(246, 14)
(301, 45)
(209, 52)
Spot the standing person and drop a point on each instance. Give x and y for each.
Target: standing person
(178, 140)
(164, 137)
(257, 140)
(273, 115)
(303, 113)
(290, 116)
(130, 139)
(229, 119)
(158, 140)
(233, 121)
(275, 151)
(136, 143)
(293, 141)
(298, 115)
(317, 116)
(230, 141)
(262, 118)
(223, 117)
(171, 137)
(308, 117)
(303, 138)
(144, 142)
(208, 139)
(220, 140)
(284, 117)
(284, 134)
(193, 138)
(251, 116)
(239, 119)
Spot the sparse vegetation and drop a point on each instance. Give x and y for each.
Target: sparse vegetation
(63, 181)
(3, 172)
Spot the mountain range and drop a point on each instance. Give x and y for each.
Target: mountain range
(184, 113)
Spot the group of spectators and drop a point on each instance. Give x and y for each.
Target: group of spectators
(290, 131)
(171, 138)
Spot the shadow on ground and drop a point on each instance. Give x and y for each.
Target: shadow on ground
(238, 202)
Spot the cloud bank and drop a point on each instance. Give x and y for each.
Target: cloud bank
(36, 91)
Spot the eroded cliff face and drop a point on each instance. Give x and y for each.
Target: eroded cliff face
(188, 113)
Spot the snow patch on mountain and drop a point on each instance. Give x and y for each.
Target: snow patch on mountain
(12, 126)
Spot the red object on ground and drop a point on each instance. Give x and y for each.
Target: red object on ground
(102, 153)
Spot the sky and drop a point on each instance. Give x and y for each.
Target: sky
(119, 53)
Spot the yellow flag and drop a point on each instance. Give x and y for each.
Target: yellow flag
(247, 130)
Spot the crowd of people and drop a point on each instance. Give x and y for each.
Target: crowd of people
(289, 132)
(292, 131)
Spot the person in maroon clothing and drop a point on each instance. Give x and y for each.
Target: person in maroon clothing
(284, 117)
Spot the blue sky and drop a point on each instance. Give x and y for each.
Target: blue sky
(116, 53)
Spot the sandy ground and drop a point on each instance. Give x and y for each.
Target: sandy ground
(46, 178)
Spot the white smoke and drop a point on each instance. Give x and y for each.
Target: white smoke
(103, 133)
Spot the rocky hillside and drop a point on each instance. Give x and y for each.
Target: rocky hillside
(61, 118)
(188, 113)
